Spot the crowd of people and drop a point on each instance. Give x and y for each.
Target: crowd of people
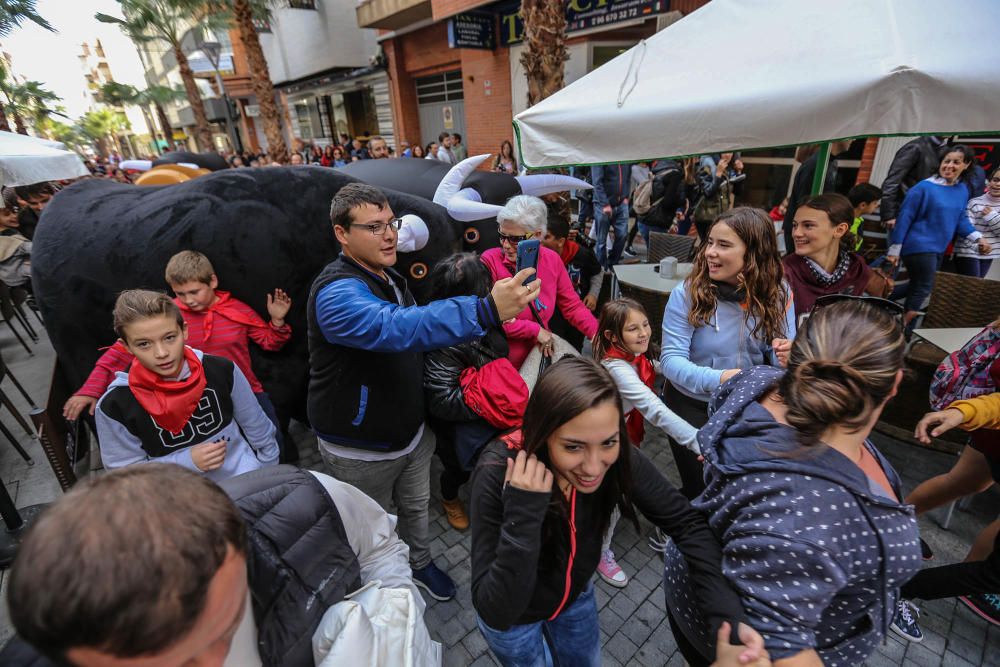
(789, 540)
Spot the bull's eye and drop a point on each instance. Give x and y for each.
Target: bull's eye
(471, 235)
(418, 270)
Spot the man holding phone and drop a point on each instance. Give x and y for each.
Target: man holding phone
(367, 339)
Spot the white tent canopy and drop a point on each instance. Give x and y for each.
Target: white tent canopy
(745, 74)
(25, 160)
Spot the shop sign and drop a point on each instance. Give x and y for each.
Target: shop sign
(581, 15)
(448, 117)
(472, 31)
(252, 110)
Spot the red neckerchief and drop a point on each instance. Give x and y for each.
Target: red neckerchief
(644, 367)
(169, 403)
(226, 306)
(568, 252)
(513, 439)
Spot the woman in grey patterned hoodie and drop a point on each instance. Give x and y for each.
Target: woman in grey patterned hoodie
(814, 535)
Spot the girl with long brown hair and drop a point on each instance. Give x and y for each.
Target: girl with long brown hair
(541, 500)
(814, 532)
(722, 319)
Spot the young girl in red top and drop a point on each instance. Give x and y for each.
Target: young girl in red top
(622, 347)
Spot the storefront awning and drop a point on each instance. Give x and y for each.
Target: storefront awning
(739, 75)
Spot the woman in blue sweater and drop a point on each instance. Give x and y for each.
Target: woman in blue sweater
(933, 213)
(721, 320)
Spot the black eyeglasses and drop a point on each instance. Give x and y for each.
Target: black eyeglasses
(891, 307)
(514, 239)
(378, 228)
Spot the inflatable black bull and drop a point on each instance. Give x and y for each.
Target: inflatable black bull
(261, 228)
(472, 197)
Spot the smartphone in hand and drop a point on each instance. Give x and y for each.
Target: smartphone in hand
(527, 257)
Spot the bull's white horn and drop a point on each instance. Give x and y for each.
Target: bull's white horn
(544, 184)
(467, 206)
(452, 181)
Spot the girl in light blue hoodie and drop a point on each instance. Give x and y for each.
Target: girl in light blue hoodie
(723, 319)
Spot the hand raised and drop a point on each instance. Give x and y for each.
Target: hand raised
(528, 474)
(278, 306)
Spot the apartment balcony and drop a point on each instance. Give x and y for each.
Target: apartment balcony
(392, 14)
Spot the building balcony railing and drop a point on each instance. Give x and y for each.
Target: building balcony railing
(392, 14)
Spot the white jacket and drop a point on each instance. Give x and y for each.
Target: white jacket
(636, 395)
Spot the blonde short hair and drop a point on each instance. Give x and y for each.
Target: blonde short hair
(189, 266)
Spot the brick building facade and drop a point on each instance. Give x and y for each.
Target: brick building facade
(435, 87)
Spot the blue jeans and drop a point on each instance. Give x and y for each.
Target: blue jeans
(922, 268)
(573, 639)
(644, 229)
(973, 266)
(603, 222)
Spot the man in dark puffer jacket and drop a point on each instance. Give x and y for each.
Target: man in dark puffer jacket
(158, 562)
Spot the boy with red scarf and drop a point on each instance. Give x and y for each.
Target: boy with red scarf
(217, 323)
(584, 272)
(175, 404)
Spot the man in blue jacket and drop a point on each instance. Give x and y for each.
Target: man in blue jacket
(367, 339)
(612, 185)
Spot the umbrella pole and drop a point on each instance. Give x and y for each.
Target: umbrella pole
(822, 164)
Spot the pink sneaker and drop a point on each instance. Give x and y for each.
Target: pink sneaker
(610, 571)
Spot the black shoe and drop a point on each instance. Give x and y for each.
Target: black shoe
(925, 550)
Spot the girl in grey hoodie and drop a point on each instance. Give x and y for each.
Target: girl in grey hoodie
(808, 511)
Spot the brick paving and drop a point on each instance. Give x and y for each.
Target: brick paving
(633, 627)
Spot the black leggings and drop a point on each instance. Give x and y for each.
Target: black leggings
(950, 581)
(694, 412)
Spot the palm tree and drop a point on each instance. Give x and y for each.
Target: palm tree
(243, 13)
(544, 47)
(120, 94)
(163, 21)
(100, 125)
(157, 97)
(36, 100)
(15, 12)
(543, 60)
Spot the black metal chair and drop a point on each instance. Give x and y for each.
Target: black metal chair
(7, 403)
(9, 312)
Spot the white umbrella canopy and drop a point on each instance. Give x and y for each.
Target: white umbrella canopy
(25, 160)
(746, 74)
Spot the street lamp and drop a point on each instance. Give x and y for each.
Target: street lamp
(213, 51)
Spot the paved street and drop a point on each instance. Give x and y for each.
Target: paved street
(633, 629)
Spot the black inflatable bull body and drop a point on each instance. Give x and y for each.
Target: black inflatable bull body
(261, 228)
(472, 197)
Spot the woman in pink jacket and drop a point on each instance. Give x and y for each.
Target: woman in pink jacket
(524, 217)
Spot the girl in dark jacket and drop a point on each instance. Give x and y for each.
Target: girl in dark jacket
(461, 432)
(814, 532)
(541, 501)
